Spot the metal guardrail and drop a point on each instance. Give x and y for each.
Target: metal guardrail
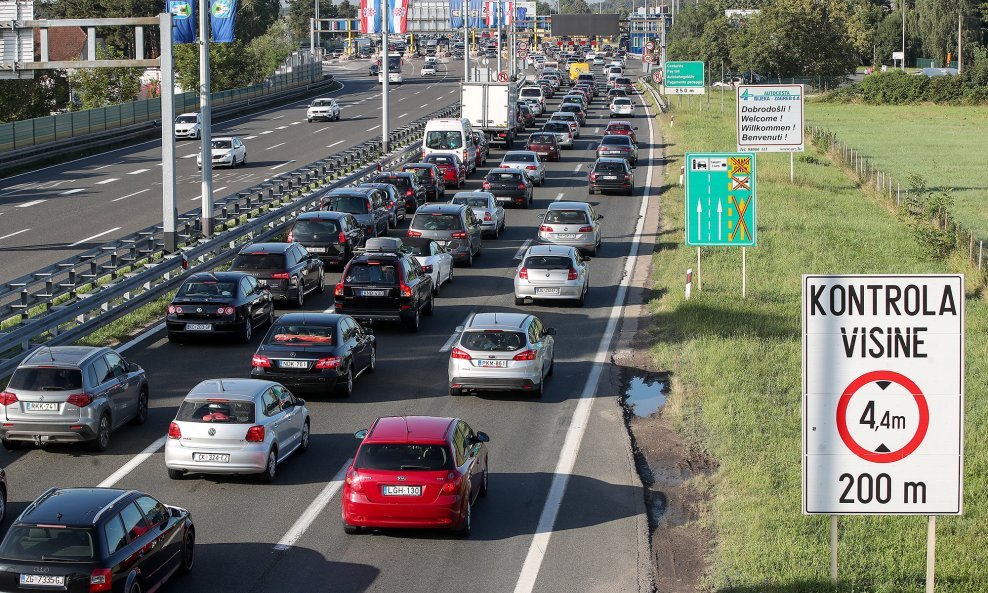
(71, 299)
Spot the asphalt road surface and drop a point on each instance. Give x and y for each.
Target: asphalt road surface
(565, 511)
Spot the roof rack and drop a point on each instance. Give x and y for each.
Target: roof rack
(390, 245)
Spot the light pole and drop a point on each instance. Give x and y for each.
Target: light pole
(206, 152)
(385, 72)
(466, 41)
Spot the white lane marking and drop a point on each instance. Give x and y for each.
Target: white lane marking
(578, 167)
(190, 156)
(452, 339)
(374, 128)
(275, 146)
(521, 250)
(581, 415)
(559, 197)
(402, 115)
(69, 192)
(335, 143)
(282, 164)
(277, 117)
(103, 167)
(88, 239)
(134, 462)
(266, 132)
(110, 180)
(402, 99)
(423, 106)
(320, 130)
(31, 203)
(596, 130)
(220, 189)
(295, 123)
(140, 338)
(309, 516)
(138, 172)
(130, 195)
(12, 234)
(249, 137)
(281, 127)
(417, 92)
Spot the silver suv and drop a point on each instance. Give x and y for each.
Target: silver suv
(70, 394)
(454, 226)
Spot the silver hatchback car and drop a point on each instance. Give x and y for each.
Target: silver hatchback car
(575, 224)
(552, 272)
(236, 426)
(486, 208)
(501, 352)
(71, 394)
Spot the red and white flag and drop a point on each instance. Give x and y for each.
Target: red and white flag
(369, 20)
(399, 16)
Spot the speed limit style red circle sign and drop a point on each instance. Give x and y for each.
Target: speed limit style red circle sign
(884, 379)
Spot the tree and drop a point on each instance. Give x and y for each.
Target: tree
(98, 87)
(543, 7)
(254, 17)
(37, 97)
(231, 65)
(574, 7)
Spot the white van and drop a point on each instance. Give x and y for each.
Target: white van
(451, 136)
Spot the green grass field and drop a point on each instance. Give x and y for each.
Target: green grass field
(945, 144)
(736, 381)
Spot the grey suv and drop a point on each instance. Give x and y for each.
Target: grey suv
(454, 226)
(70, 394)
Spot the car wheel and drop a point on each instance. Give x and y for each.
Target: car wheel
(350, 529)
(135, 587)
(102, 440)
(3, 504)
(270, 320)
(455, 391)
(519, 301)
(346, 387)
(464, 529)
(270, 468)
(497, 232)
(537, 392)
(10, 445)
(436, 286)
(449, 277)
(303, 443)
(300, 300)
(175, 474)
(429, 307)
(247, 333)
(308, 119)
(142, 409)
(469, 261)
(415, 323)
(552, 367)
(483, 480)
(322, 284)
(188, 552)
(372, 365)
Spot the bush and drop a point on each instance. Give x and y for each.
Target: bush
(898, 88)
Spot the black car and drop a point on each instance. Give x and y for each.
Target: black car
(611, 174)
(87, 540)
(510, 186)
(385, 285)
(393, 204)
(617, 145)
(219, 303)
(287, 270)
(407, 185)
(330, 236)
(430, 177)
(315, 352)
(367, 204)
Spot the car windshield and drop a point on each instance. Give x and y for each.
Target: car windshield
(403, 457)
(286, 333)
(185, 119)
(207, 288)
(566, 216)
(395, 180)
(547, 262)
(437, 222)
(444, 139)
(37, 543)
(315, 227)
(472, 201)
(350, 204)
(616, 140)
(216, 410)
(609, 167)
(259, 261)
(372, 272)
(45, 379)
(492, 341)
(222, 144)
(503, 177)
(518, 157)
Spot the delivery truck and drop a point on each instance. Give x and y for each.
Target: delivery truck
(493, 108)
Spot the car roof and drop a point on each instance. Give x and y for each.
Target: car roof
(72, 506)
(440, 208)
(550, 250)
(569, 206)
(230, 138)
(622, 122)
(495, 320)
(218, 276)
(62, 355)
(189, 113)
(616, 139)
(345, 191)
(519, 153)
(266, 248)
(321, 215)
(473, 194)
(409, 429)
(311, 318)
(230, 388)
(396, 174)
(514, 170)
(418, 166)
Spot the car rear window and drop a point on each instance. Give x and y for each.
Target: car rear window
(437, 222)
(259, 261)
(493, 341)
(220, 411)
(444, 139)
(440, 159)
(504, 177)
(395, 180)
(623, 81)
(518, 157)
(616, 139)
(542, 138)
(371, 273)
(472, 202)
(566, 216)
(284, 333)
(622, 101)
(609, 167)
(556, 127)
(350, 204)
(547, 262)
(46, 379)
(619, 128)
(34, 543)
(403, 457)
(421, 173)
(571, 108)
(530, 92)
(207, 289)
(315, 227)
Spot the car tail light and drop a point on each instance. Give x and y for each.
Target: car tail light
(330, 362)
(459, 235)
(572, 274)
(101, 579)
(593, 177)
(546, 229)
(525, 355)
(370, 228)
(255, 434)
(174, 432)
(338, 291)
(291, 236)
(459, 354)
(260, 362)
(487, 216)
(80, 399)
(172, 309)
(627, 177)
(586, 229)
(354, 480)
(342, 238)
(280, 276)
(504, 166)
(7, 398)
(531, 168)
(225, 311)
(453, 483)
(521, 186)
(406, 290)
(412, 233)
(523, 273)
(487, 185)
(408, 192)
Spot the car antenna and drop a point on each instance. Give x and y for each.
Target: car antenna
(220, 383)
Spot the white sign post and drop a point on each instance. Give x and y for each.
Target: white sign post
(770, 119)
(883, 396)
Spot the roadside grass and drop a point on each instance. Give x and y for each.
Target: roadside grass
(944, 144)
(735, 369)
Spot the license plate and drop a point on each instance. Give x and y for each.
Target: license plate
(565, 236)
(42, 406)
(42, 580)
(211, 457)
(293, 364)
(493, 363)
(198, 327)
(402, 490)
(546, 291)
(373, 293)
(317, 250)
(609, 177)
(503, 199)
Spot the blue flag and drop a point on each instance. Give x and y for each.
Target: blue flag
(455, 14)
(183, 20)
(222, 13)
(477, 14)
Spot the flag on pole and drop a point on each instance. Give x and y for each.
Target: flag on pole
(494, 11)
(477, 12)
(369, 21)
(455, 14)
(184, 25)
(222, 15)
(398, 19)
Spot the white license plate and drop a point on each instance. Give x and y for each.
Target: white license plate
(211, 457)
(565, 236)
(504, 199)
(373, 293)
(198, 327)
(402, 490)
(493, 363)
(293, 364)
(546, 291)
(42, 406)
(609, 177)
(316, 250)
(42, 580)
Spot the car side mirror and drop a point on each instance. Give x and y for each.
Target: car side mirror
(132, 367)
(600, 217)
(299, 401)
(427, 269)
(482, 437)
(360, 434)
(550, 331)
(636, 127)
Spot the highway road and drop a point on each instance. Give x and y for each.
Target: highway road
(52, 213)
(565, 511)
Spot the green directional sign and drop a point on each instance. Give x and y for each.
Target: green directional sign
(720, 199)
(685, 78)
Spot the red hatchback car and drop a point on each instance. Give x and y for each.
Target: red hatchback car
(623, 128)
(454, 173)
(483, 147)
(415, 471)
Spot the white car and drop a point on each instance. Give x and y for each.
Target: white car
(526, 160)
(325, 109)
(485, 208)
(227, 151)
(429, 70)
(568, 118)
(434, 259)
(188, 125)
(552, 272)
(573, 224)
(622, 106)
(598, 61)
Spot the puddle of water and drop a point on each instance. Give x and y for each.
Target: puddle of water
(645, 395)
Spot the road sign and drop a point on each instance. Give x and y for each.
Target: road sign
(883, 394)
(685, 78)
(502, 76)
(648, 58)
(649, 45)
(657, 76)
(522, 53)
(720, 199)
(770, 118)
(522, 46)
